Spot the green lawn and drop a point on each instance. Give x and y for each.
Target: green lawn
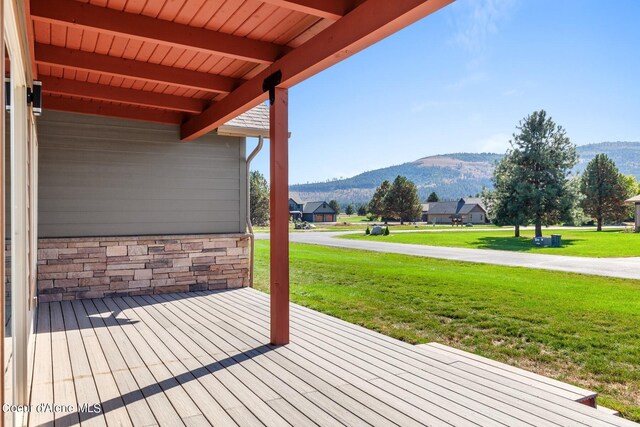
(352, 218)
(576, 242)
(581, 329)
(354, 226)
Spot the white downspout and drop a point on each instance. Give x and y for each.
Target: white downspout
(253, 154)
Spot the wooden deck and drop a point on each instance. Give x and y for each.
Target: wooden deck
(204, 359)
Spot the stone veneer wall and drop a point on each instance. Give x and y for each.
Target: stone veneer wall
(96, 267)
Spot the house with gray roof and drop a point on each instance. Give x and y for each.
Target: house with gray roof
(467, 210)
(310, 211)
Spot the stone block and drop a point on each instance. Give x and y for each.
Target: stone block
(182, 262)
(46, 276)
(94, 281)
(139, 284)
(126, 266)
(123, 273)
(65, 283)
(49, 297)
(93, 266)
(137, 250)
(93, 244)
(45, 284)
(143, 274)
(195, 246)
(116, 250)
(48, 253)
(171, 289)
(59, 268)
(163, 282)
(160, 263)
(79, 274)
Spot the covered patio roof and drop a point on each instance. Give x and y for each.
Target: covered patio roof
(200, 64)
(197, 63)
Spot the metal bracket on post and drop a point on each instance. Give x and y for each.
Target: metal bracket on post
(270, 83)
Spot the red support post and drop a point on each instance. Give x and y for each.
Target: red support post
(279, 162)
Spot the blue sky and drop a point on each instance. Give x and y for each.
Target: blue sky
(461, 79)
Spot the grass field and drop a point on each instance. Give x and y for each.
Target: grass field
(575, 242)
(581, 329)
(354, 224)
(352, 218)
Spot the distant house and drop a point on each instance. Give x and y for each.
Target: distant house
(636, 201)
(469, 210)
(310, 211)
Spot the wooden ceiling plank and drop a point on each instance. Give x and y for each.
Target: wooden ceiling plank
(329, 9)
(118, 94)
(109, 21)
(79, 60)
(367, 24)
(111, 110)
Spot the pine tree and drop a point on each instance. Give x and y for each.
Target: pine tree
(258, 198)
(377, 205)
(335, 206)
(605, 191)
(433, 197)
(402, 201)
(534, 175)
(349, 209)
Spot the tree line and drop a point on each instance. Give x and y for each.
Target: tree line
(533, 183)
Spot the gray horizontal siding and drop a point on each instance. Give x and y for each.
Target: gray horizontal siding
(110, 177)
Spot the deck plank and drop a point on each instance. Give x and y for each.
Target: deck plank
(535, 402)
(177, 363)
(242, 383)
(130, 393)
(293, 395)
(527, 378)
(419, 398)
(115, 412)
(180, 400)
(43, 369)
(64, 392)
(508, 408)
(399, 411)
(164, 412)
(204, 358)
(83, 380)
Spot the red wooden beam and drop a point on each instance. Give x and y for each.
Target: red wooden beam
(330, 9)
(367, 24)
(113, 22)
(119, 94)
(126, 68)
(98, 108)
(279, 218)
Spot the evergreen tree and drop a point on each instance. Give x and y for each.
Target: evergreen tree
(433, 197)
(362, 210)
(349, 209)
(540, 162)
(604, 191)
(335, 206)
(377, 205)
(258, 198)
(504, 205)
(402, 201)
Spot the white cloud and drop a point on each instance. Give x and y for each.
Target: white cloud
(477, 20)
(497, 143)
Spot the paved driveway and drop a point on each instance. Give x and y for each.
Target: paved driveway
(627, 268)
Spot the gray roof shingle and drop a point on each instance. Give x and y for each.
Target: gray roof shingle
(256, 118)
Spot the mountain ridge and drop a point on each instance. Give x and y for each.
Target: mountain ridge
(453, 175)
